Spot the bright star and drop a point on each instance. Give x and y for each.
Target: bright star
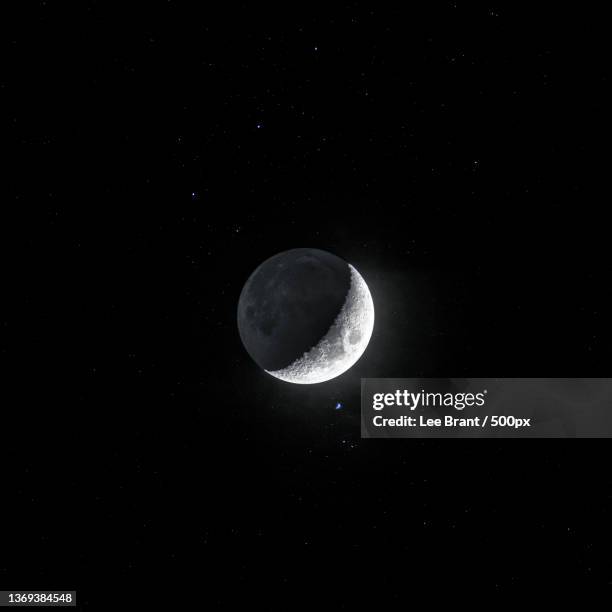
(338, 405)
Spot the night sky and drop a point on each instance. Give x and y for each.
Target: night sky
(456, 155)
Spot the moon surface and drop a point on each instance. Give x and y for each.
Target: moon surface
(305, 316)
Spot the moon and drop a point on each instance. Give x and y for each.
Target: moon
(305, 316)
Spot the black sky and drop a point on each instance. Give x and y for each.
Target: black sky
(455, 154)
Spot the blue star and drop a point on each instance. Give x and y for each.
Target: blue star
(339, 406)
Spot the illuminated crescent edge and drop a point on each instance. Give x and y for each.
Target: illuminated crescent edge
(344, 343)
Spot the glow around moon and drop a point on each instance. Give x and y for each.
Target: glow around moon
(343, 344)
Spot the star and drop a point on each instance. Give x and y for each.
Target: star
(339, 406)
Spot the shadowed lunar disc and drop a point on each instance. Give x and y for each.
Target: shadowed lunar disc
(305, 316)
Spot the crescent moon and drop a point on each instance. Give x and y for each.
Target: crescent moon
(344, 343)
